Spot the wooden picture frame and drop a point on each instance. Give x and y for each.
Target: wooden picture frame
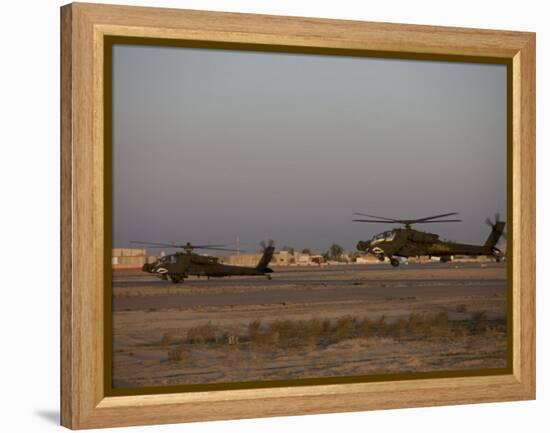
(84, 27)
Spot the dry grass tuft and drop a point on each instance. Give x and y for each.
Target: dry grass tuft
(175, 354)
(309, 334)
(202, 334)
(345, 328)
(288, 334)
(365, 328)
(166, 339)
(461, 308)
(480, 322)
(261, 336)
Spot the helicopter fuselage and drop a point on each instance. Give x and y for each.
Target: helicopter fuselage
(180, 265)
(407, 242)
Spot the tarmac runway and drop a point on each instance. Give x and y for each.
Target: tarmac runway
(308, 285)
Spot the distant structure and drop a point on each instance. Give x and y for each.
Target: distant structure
(317, 259)
(134, 258)
(130, 258)
(280, 258)
(366, 260)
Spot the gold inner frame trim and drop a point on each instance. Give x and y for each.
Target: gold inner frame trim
(104, 42)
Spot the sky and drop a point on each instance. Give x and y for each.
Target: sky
(219, 145)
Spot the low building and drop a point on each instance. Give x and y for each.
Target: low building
(366, 259)
(280, 258)
(419, 259)
(130, 258)
(250, 260)
(477, 259)
(317, 259)
(302, 259)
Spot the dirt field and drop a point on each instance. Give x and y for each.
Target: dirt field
(309, 322)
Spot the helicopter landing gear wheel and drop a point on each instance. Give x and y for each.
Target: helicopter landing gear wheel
(394, 262)
(497, 254)
(176, 279)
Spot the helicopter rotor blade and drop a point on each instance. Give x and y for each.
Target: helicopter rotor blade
(267, 244)
(406, 222)
(437, 221)
(436, 216)
(220, 249)
(377, 221)
(374, 216)
(155, 244)
(491, 223)
(158, 246)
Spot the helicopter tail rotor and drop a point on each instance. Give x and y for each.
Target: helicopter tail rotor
(490, 222)
(265, 245)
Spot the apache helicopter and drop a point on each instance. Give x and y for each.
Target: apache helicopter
(407, 242)
(180, 265)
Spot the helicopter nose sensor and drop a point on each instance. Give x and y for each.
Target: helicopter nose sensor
(363, 245)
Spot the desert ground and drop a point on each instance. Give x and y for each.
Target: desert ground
(309, 322)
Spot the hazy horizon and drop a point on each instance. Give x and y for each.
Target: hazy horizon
(215, 145)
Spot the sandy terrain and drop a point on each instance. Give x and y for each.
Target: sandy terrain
(309, 322)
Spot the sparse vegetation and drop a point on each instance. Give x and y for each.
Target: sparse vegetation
(461, 308)
(480, 323)
(202, 333)
(423, 321)
(175, 354)
(479, 316)
(166, 339)
(299, 334)
(345, 328)
(287, 248)
(365, 328)
(288, 334)
(335, 252)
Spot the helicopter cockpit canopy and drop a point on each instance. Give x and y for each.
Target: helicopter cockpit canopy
(167, 259)
(384, 236)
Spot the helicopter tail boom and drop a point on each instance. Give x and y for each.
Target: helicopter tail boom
(265, 259)
(496, 232)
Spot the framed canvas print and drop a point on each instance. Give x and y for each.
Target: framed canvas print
(267, 215)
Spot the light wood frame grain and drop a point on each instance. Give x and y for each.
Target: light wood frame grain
(83, 400)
